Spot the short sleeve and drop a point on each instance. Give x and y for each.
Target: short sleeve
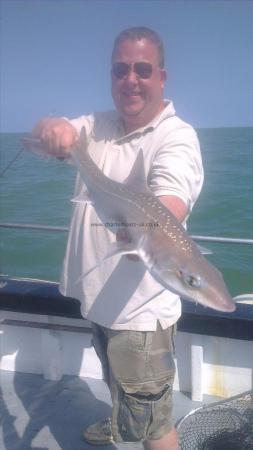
(177, 167)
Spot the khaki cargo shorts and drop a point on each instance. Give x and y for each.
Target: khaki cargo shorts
(139, 370)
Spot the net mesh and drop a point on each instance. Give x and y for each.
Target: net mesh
(225, 425)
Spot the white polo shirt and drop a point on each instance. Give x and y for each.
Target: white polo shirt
(121, 294)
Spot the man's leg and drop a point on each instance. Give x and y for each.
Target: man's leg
(148, 364)
(143, 370)
(167, 442)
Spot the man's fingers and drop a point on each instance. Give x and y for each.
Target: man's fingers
(57, 136)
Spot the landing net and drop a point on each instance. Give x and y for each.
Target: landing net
(224, 425)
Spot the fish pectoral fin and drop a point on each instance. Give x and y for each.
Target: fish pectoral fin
(116, 249)
(204, 250)
(82, 198)
(120, 248)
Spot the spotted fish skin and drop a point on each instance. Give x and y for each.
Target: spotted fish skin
(156, 236)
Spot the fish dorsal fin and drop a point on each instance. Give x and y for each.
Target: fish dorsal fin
(137, 179)
(80, 148)
(83, 139)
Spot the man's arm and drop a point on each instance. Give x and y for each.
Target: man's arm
(176, 174)
(175, 205)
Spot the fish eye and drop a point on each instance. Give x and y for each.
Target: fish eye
(193, 281)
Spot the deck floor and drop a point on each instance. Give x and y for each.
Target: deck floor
(49, 415)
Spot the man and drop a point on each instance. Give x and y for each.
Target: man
(133, 316)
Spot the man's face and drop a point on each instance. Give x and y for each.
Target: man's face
(137, 99)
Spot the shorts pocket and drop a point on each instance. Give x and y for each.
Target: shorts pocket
(133, 418)
(145, 414)
(161, 414)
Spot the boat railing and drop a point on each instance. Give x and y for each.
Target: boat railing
(247, 298)
(40, 227)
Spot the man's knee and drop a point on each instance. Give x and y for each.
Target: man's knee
(168, 441)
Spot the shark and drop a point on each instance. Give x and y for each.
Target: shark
(153, 232)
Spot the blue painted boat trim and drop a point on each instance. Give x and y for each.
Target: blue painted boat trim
(38, 297)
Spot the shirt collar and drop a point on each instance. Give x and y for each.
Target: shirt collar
(168, 111)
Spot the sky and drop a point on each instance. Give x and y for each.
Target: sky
(55, 57)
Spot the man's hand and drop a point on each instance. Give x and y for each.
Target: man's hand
(57, 136)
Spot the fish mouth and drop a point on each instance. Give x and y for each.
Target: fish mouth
(227, 307)
(224, 305)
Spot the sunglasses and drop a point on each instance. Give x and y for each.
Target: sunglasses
(142, 69)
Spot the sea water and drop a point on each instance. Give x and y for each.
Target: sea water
(38, 191)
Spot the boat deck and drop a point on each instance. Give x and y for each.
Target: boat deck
(50, 415)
